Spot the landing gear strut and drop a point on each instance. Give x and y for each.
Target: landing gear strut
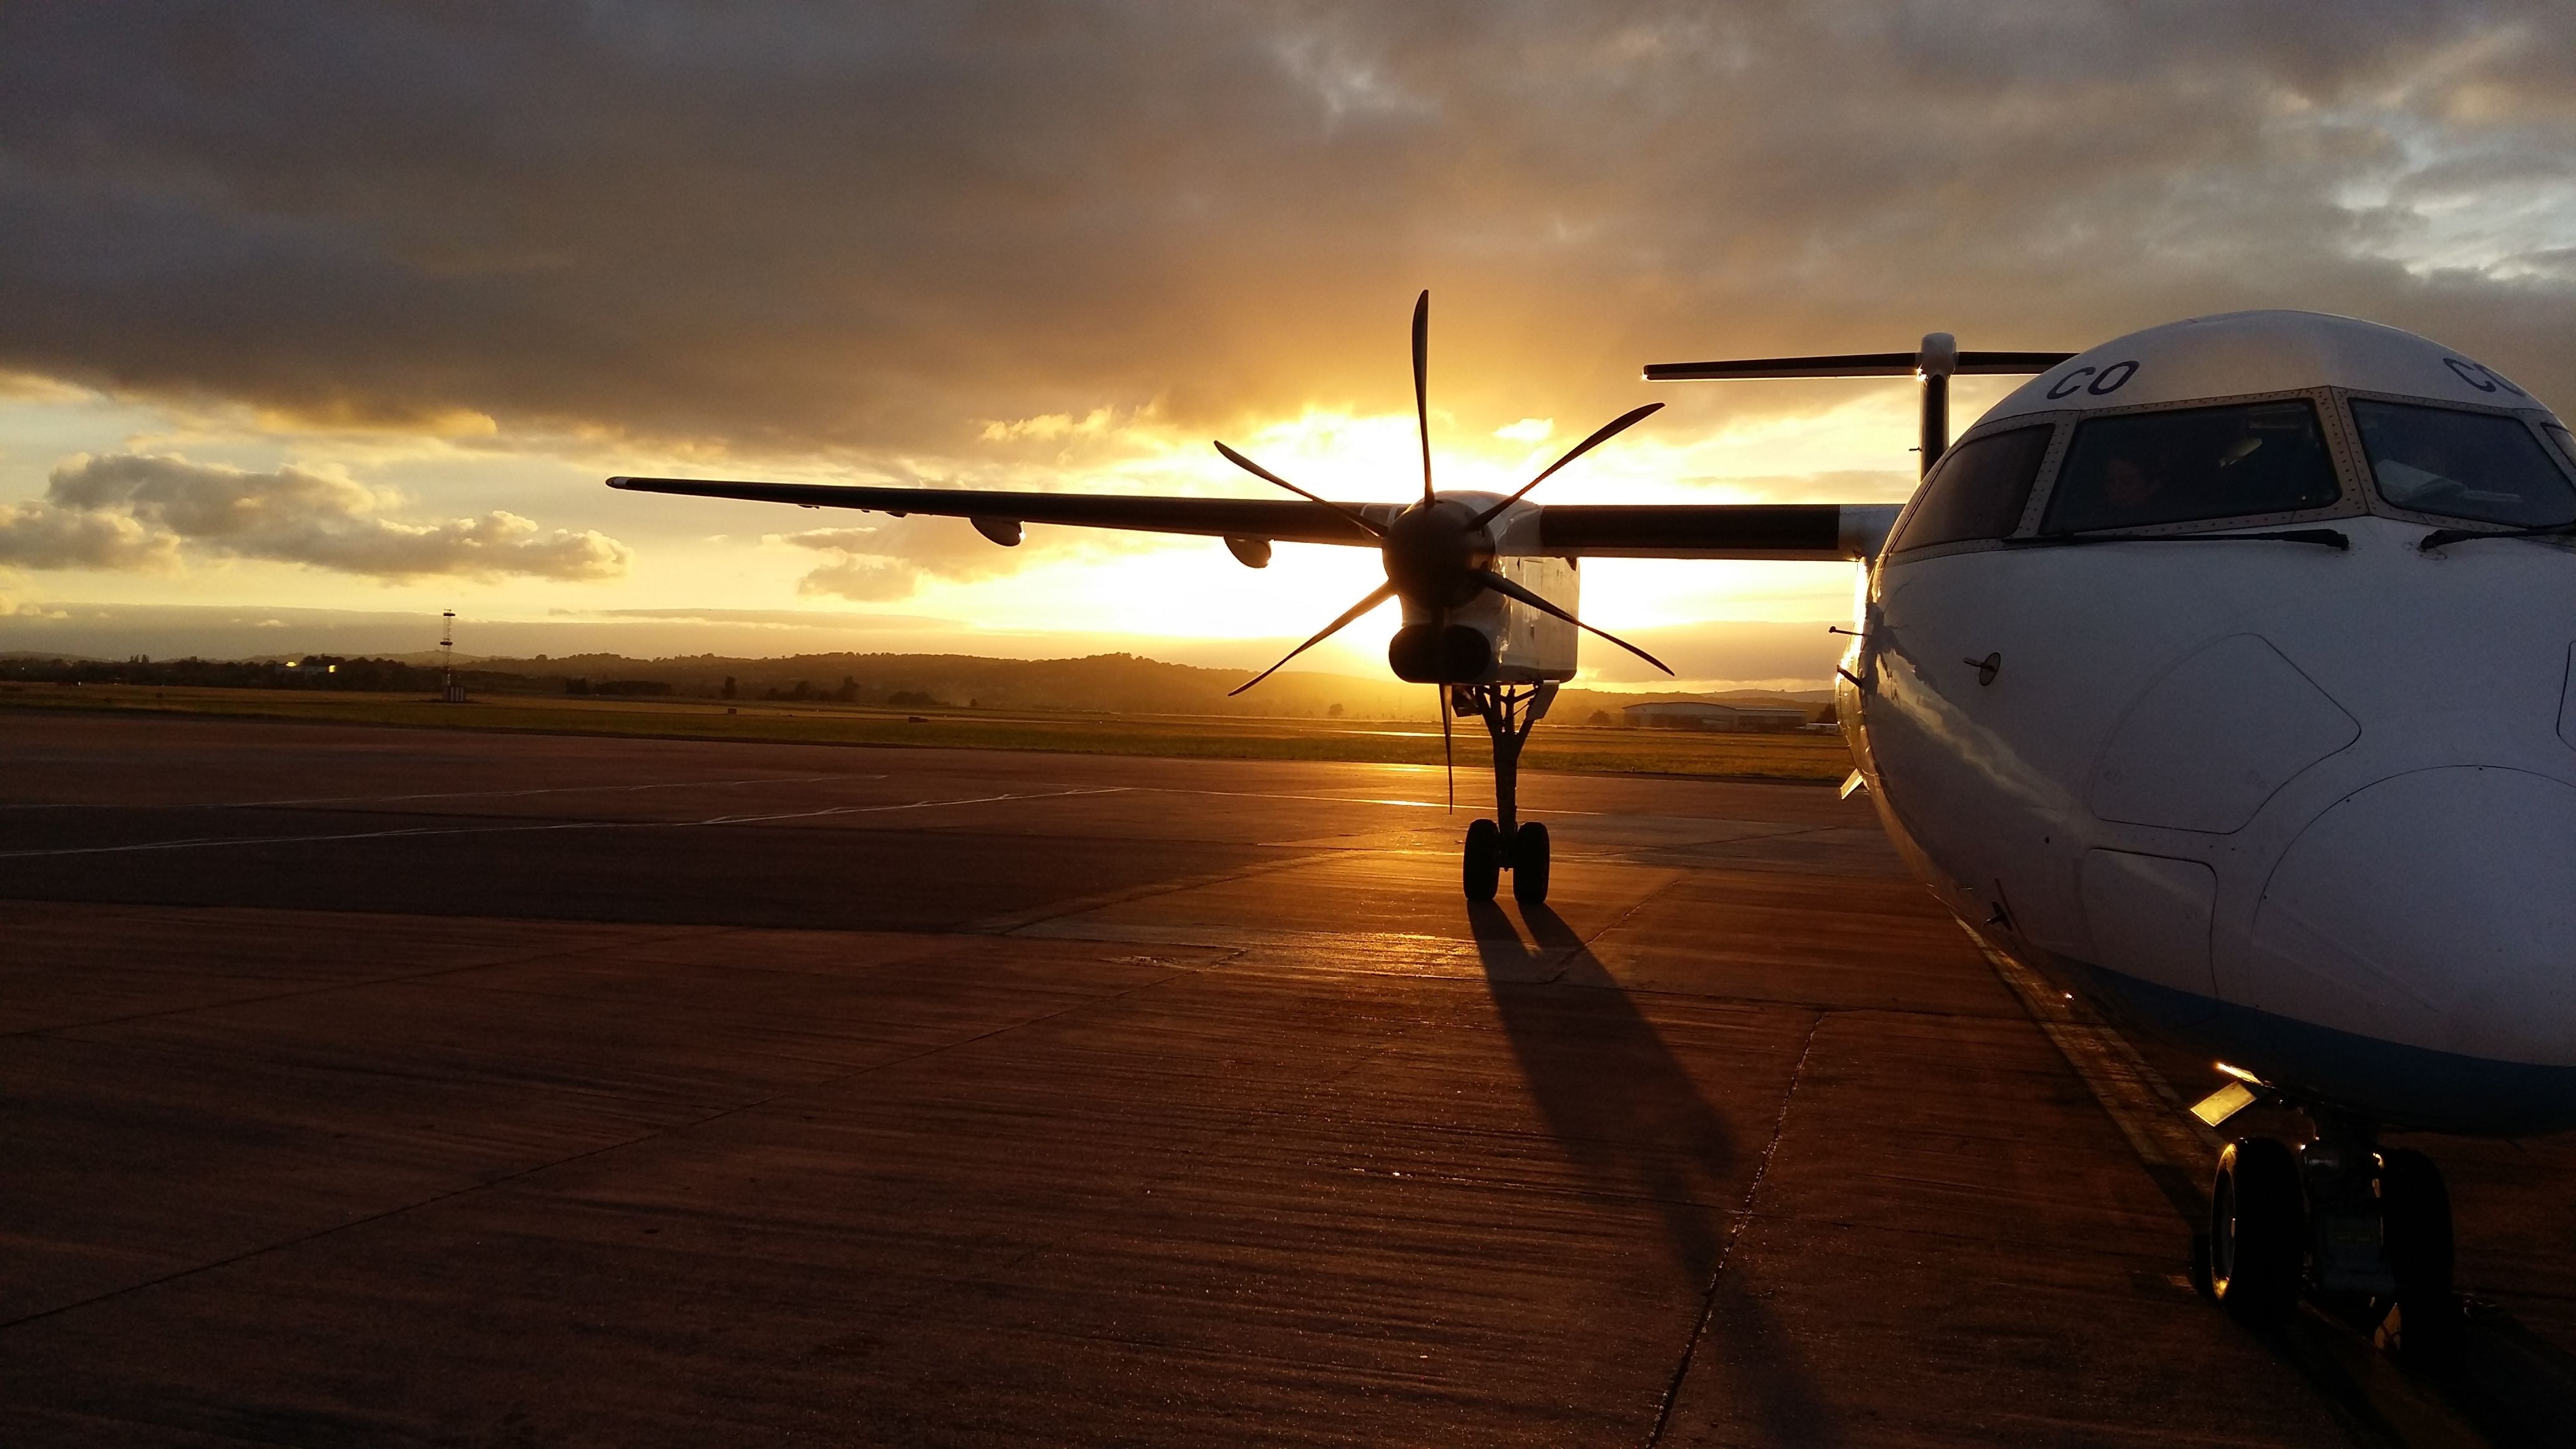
(1509, 711)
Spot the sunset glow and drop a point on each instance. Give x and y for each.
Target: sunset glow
(1010, 283)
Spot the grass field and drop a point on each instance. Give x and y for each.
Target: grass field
(1555, 746)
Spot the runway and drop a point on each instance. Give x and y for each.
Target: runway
(376, 1086)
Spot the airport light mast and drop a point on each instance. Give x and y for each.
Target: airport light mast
(448, 690)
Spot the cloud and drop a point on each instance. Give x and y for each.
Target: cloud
(43, 535)
(11, 607)
(137, 511)
(878, 228)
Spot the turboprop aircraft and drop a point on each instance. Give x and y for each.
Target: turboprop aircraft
(2223, 673)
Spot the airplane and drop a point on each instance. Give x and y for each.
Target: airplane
(2222, 674)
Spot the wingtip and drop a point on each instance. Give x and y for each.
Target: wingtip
(620, 481)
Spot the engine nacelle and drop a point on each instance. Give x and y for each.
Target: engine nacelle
(1440, 654)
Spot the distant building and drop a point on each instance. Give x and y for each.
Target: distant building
(1693, 714)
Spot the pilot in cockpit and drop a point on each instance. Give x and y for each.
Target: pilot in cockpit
(2130, 487)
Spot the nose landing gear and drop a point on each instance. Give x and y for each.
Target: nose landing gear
(1510, 712)
(2363, 1231)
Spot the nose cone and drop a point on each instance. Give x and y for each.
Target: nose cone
(2435, 909)
(1431, 551)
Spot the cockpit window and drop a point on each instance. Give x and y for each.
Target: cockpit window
(2137, 470)
(2565, 440)
(1979, 489)
(2480, 466)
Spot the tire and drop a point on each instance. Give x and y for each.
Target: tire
(1529, 865)
(2257, 1231)
(2415, 1227)
(1484, 861)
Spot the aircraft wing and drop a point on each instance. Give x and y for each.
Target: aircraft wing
(1292, 520)
(1683, 530)
(1715, 530)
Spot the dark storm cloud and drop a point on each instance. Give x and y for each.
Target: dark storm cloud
(881, 227)
(130, 511)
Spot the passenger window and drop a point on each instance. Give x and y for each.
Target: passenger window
(2480, 466)
(1979, 489)
(2193, 464)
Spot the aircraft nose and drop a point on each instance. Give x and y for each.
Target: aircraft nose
(2435, 908)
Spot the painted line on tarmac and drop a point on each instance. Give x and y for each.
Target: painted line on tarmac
(447, 794)
(1327, 799)
(1029, 922)
(217, 842)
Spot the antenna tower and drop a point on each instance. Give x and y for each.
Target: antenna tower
(449, 690)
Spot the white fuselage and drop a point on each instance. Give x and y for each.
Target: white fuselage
(2311, 810)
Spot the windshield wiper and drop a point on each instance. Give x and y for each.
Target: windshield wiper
(2444, 537)
(2322, 537)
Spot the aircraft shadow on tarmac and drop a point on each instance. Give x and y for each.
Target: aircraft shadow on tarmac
(1634, 1124)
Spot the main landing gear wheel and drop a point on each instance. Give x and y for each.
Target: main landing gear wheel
(1484, 860)
(1529, 864)
(2415, 1234)
(2257, 1231)
(1510, 712)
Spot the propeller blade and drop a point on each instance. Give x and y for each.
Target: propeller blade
(1603, 434)
(1257, 471)
(1421, 382)
(1510, 590)
(1376, 596)
(1448, 751)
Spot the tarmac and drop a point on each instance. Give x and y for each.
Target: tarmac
(384, 1087)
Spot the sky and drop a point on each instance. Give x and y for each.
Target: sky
(316, 321)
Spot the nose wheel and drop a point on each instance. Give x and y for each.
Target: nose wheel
(1510, 712)
(2415, 1217)
(2257, 1231)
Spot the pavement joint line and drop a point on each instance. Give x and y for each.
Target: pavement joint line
(1583, 945)
(2378, 1401)
(439, 795)
(602, 1150)
(213, 842)
(1734, 1232)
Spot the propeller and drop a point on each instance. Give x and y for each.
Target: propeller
(1540, 602)
(1422, 382)
(1600, 435)
(1439, 553)
(1376, 596)
(1257, 471)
